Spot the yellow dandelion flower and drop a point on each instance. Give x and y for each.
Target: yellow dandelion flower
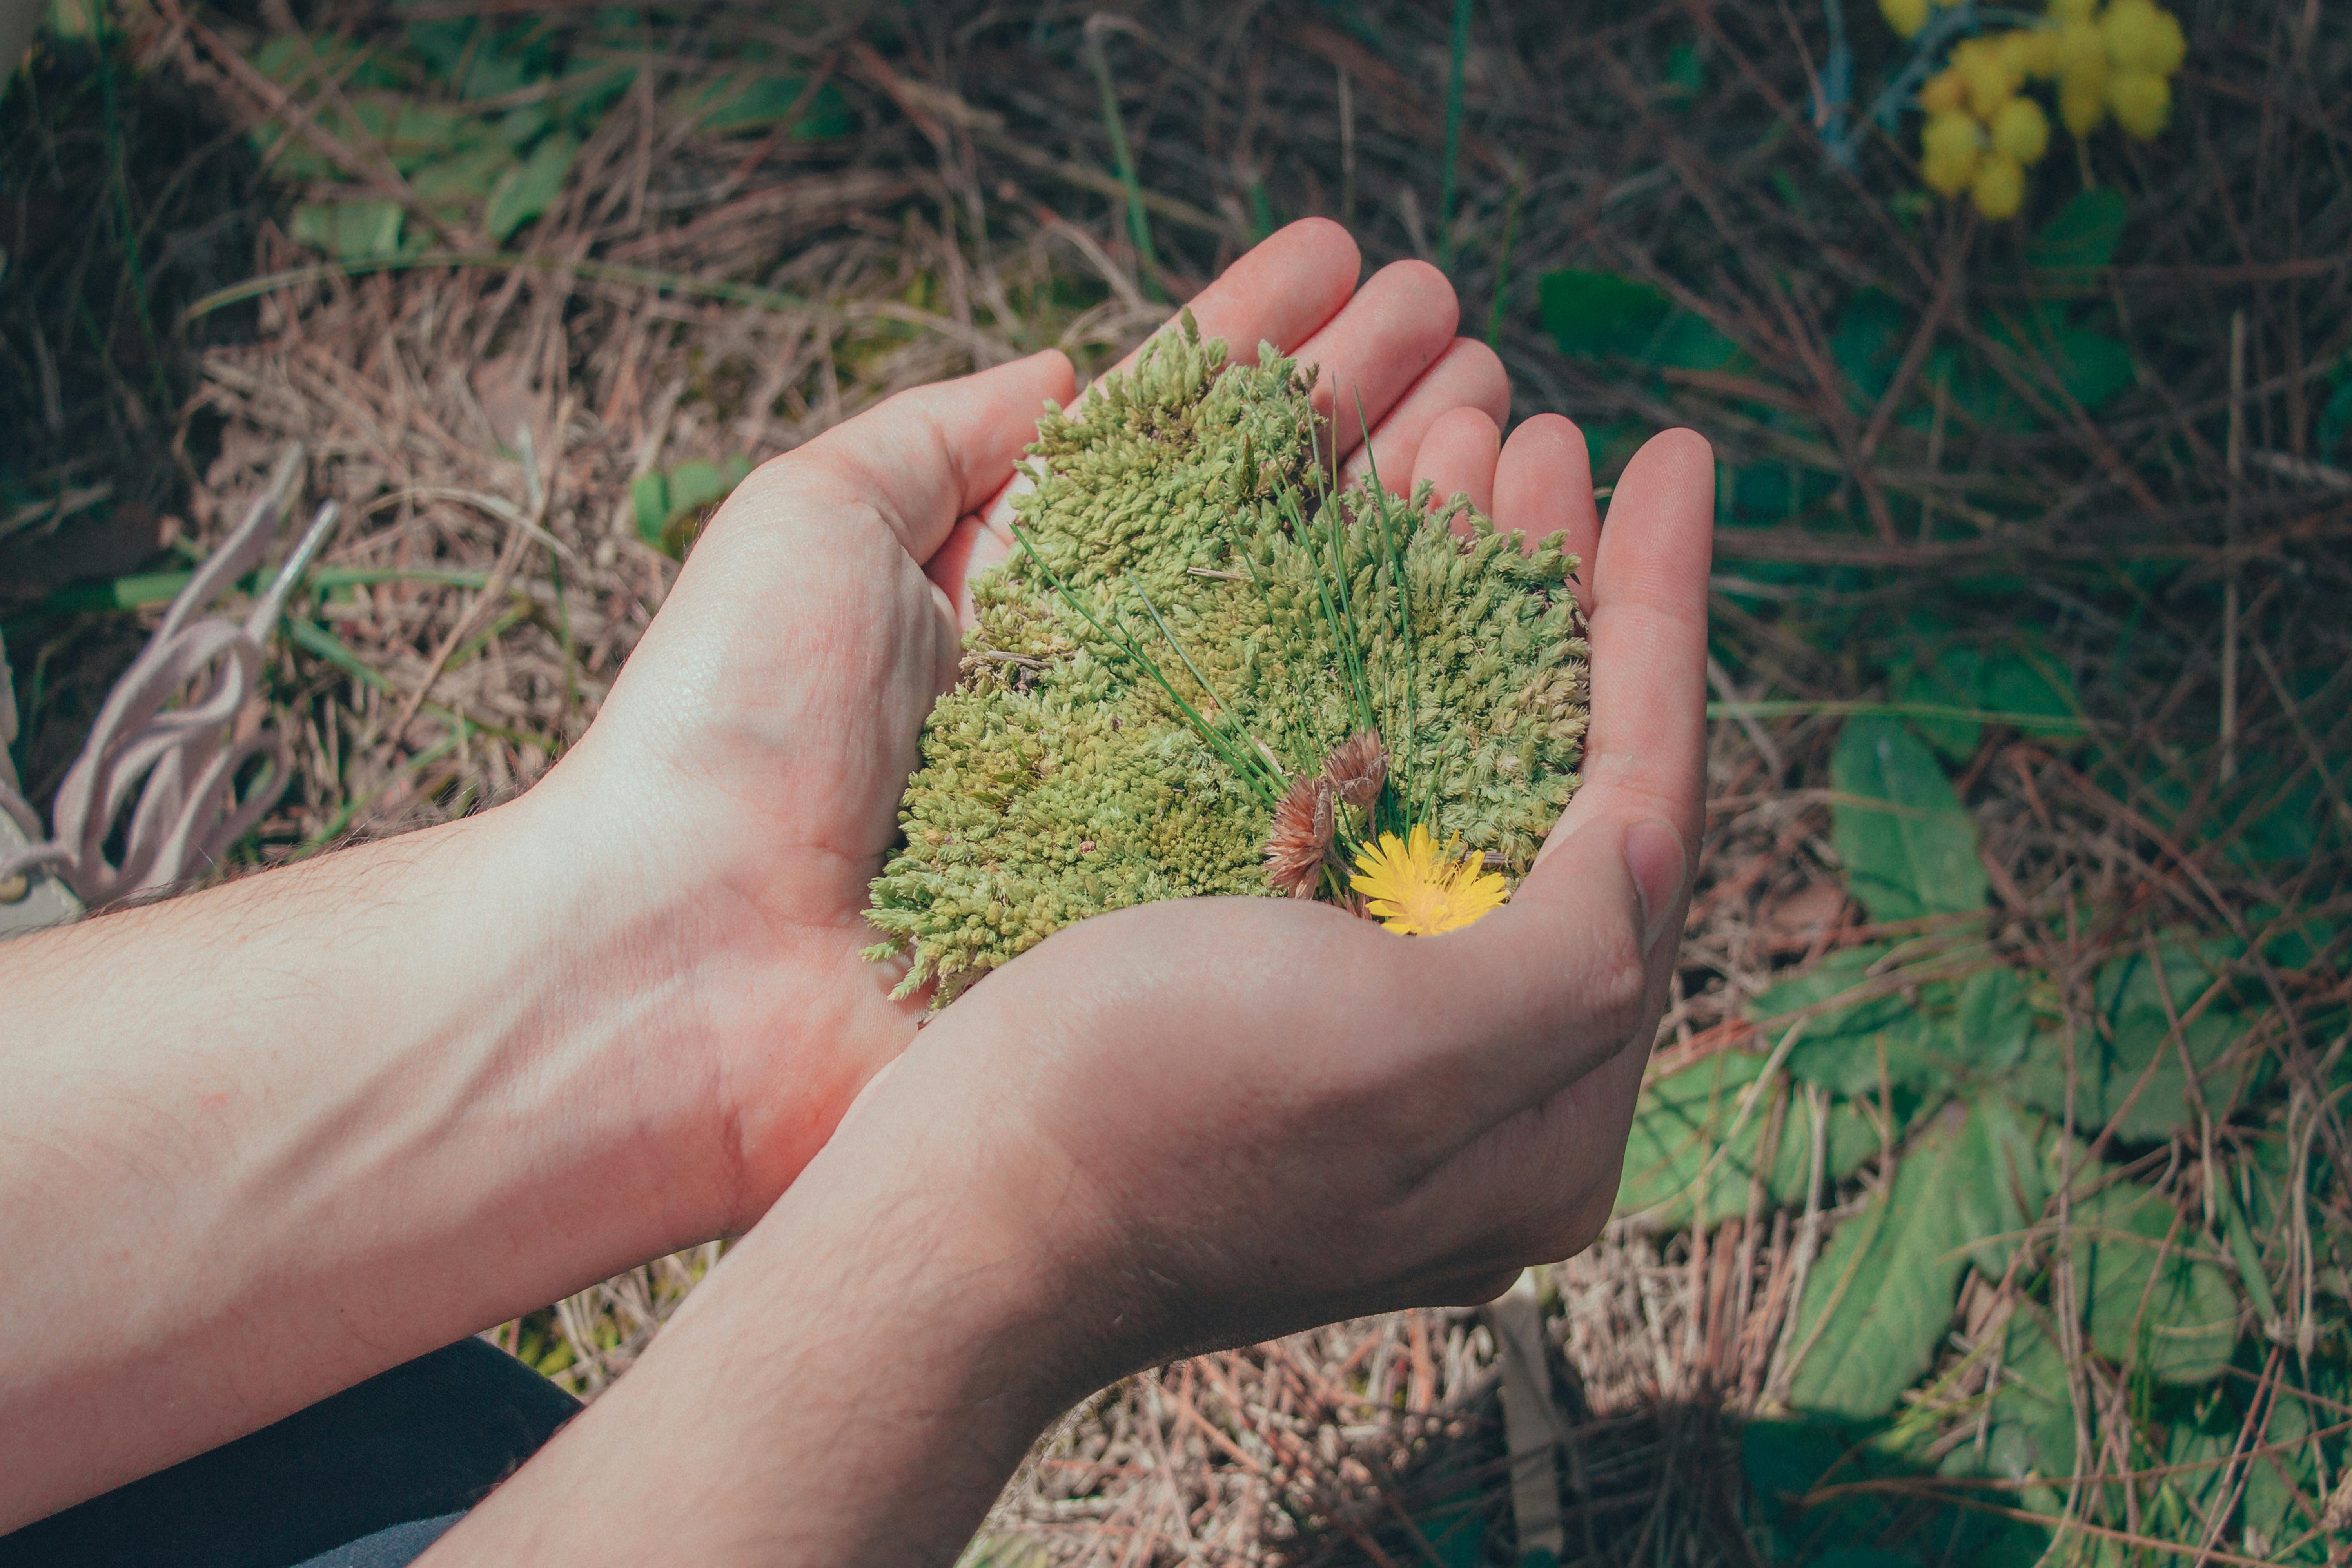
(2065, 11)
(1412, 889)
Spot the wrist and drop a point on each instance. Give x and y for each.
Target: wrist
(752, 1020)
(853, 1384)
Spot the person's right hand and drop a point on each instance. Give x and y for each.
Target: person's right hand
(1256, 1115)
(1179, 1126)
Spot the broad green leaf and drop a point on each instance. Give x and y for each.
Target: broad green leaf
(2030, 1432)
(2335, 422)
(1880, 1296)
(1686, 71)
(530, 188)
(1596, 313)
(1682, 1133)
(2273, 1479)
(1909, 848)
(349, 231)
(2092, 366)
(2147, 1304)
(463, 178)
(1953, 678)
(2080, 239)
(1842, 972)
(1868, 340)
(2135, 1037)
(749, 102)
(650, 505)
(695, 485)
(1992, 1028)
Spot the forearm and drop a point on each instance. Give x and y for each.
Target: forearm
(262, 1142)
(852, 1386)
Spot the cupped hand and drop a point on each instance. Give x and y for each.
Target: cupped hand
(1214, 1121)
(743, 777)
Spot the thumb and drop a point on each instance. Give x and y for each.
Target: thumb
(1558, 980)
(927, 457)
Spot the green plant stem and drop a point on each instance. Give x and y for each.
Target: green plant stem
(1449, 171)
(1503, 265)
(1138, 222)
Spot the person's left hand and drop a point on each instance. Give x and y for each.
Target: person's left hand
(742, 784)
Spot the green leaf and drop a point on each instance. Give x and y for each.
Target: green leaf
(2092, 366)
(1682, 1133)
(463, 178)
(2026, 683)
(649, 504)
(2147, 1304)
(530, 188)
(1993, 1028)
(1868, 340)
(1599, 314)
(2335, 422)
(744, 101)
(2136, 1037)
(1909, 848)
(351, 231)
(2080, 239)
(2275, 1478)
(1880, 1296)
(2029, 1434)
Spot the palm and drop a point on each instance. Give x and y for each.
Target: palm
(769, 720)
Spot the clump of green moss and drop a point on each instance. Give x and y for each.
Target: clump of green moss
(1193, 617)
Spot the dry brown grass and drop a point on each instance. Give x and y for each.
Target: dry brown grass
(488, 421)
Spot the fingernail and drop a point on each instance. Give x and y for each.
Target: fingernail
(1654, 854)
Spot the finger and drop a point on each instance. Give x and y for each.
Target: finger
(1540, 992)
(1281, 292)
(1374, 352)
(1543, 486)
(926, 457)
(1576, 967)
(1546, 1181)
(1645, 755)
(1457, 457)
(1464, 375)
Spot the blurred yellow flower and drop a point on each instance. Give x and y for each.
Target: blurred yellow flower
(2020, 131)
(2142, 101)
(1906, 16)
(1951, 145)
(1999, 189)
(1412, 889)
(2032, 51)
(2082, 98)
(1991, 80)
(1983, 130)
(2143, 37)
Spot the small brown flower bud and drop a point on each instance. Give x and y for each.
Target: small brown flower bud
(1301, 838)
(1357, 768)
